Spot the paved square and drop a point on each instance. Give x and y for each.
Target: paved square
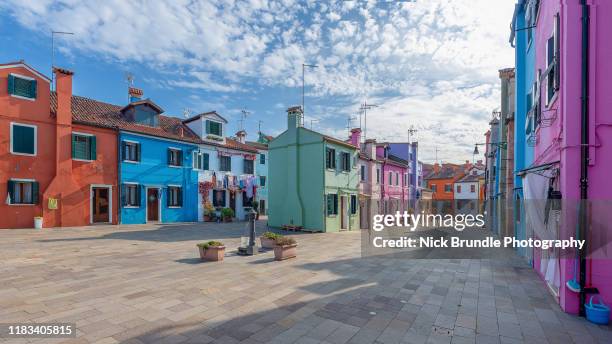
(146, 284)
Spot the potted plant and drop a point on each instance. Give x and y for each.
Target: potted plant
(209, 212)
(285, 248)
(212, 251)
(268, 239)
(227, 214)
(255, 206)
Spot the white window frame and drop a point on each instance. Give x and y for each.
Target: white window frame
(21, 180)
(82, 134)
(137, 187)
(130, 161)
(35, 138)
(177, 187)
(26, 78)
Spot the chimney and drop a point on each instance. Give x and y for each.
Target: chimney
(370, 148)
(181, 131)
(355, 137)
(436, 168)
(294, 117)
(241, 136)
(63, 90)
(135, 94)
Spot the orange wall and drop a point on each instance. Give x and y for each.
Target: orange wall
(40, 167)
(440, 194)
(57, 174)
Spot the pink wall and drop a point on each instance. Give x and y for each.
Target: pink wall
(558, 137)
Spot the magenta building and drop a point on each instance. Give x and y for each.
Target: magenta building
(572, 139)
(394, 189)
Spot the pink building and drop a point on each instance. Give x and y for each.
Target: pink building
(370, 174)
(395, 189)
(570, 70)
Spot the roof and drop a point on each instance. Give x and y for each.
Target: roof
(446, 171)
(470, 178)
(147, 101)
(198, 116)
(233, 144)
(96, 113)
(257, 145)
(22, 63)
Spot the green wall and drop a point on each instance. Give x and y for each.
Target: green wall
(343, 184)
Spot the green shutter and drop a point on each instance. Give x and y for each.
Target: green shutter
(330, 205)
(74, 146)
(138, 154)
(35, 192)
(11, 84)
(335, 204)
(205, 157)
(207, 126)
(23, 139)
(10, 185)
(92, 148)
(33, 89)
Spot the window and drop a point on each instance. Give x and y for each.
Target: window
(346, 161)
(405, 180)
(22, 192)
(552, 62)
(225, 163)
(23, 139)
(459, 188)
(378, 176)
(214, 128)
(330, 158)
(175, 157)
(332, 204)
(396, 178)
(390, 178)
(248, 166)
(83, 147)
(262, 181)
(130, 195)
(363, 173)
(219, 198)
(200, 161)
(472, 188)
(22, 86)
(353, 204)
(448, 188)
(434, 187)
(262, 159)
(131, 151)
(175, 196)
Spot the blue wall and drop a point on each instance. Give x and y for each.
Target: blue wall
(153, 171)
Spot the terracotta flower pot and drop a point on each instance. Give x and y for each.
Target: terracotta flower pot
(227, 219)
(212, 253)
(285, 252)
(267, 243)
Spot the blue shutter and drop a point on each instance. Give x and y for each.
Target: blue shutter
(11, 84)
(205, 163)
(35, 192)
(138, 153)
(123, 195)
(10, 185)
(168, 194)
(92, 148)
(180, 197)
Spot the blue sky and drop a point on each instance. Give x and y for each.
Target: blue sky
(427, 64)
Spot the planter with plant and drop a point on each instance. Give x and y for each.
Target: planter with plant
(285, 248)
(268, 239)
(212, 251)
(227, 214)
(209, 212)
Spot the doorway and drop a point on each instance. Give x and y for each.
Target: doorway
(262, 207)
(343, 213)
(101, 204)
(152, 204)
(232, 201)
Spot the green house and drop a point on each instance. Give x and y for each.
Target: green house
(313, 179)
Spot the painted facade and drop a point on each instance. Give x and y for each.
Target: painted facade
(469, 186)
(313, 179)
(394, 191)
(58, 164)
(261, 171)
(370, 174)
(409, 153)
(570, 83)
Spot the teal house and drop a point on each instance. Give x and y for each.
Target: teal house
(313, 179)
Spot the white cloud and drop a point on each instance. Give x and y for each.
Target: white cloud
(433, 61)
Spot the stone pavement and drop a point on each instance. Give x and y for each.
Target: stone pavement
(145, 284)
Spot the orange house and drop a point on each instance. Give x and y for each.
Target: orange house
(442, 179)
(53, 166)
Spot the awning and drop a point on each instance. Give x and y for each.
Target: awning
(537, 168)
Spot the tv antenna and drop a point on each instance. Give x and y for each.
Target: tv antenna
(53, 33)
(312, 121)
(349, 120)
(411, 132)
(243, 116)
(186, 113)
(365, 107)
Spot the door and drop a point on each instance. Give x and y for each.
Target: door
(101, 205)
(364, 213)
(152, 204)
(262, 207)
(343, 213)
(233, 201)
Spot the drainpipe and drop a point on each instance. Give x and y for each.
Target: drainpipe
(119, 204)
(584, 149)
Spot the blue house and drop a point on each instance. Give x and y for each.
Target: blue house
(156, 176)
(522, 38)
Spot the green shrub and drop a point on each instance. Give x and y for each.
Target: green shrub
(211, 243)
(284, 241)
(271, 235)
(227, 212)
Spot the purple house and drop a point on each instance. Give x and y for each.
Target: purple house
(570, 126)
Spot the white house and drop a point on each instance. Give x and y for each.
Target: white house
(469, 186)
(226, 166)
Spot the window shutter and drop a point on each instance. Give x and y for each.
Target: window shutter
(180, 157)
(123, 194)
(10, 185)
(33, 89)
(92, 148)
(207, 126)
(335, 204)
(557, 52)
(180, 196)
(73, 146)
(11, 84)
(169, 156)
(329, 204)
(139, 190)
(168, 194)
(123, 155)
(205, 162)
(35, 191)
(138, 155)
